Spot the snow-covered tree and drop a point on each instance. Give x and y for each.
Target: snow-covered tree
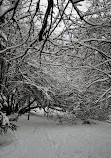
(57, 46)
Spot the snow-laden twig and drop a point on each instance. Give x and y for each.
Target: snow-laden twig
(9, 9)
(93, 67)
(90, 67)
(12, 47)
(109, 96)
(99, 80)
(108, 90)
(97, 11)
(30, 82)
(94, 48)
(104, 62)
(96, 39)
(2, 35)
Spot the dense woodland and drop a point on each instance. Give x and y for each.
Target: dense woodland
(55, 55)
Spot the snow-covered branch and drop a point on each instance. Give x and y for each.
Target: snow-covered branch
(105, 93)
(9, 9)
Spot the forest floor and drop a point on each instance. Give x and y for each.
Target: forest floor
(43, 138)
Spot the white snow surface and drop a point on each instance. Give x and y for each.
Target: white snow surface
(43, 138)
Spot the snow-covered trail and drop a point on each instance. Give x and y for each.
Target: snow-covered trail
(42, 138)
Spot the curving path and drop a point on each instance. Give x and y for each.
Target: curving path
(41, 138)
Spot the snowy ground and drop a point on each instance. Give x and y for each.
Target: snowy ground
(42, 138)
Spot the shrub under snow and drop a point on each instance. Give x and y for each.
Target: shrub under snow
(5, 124)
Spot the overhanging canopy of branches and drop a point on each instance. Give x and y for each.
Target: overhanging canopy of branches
(56, 44)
